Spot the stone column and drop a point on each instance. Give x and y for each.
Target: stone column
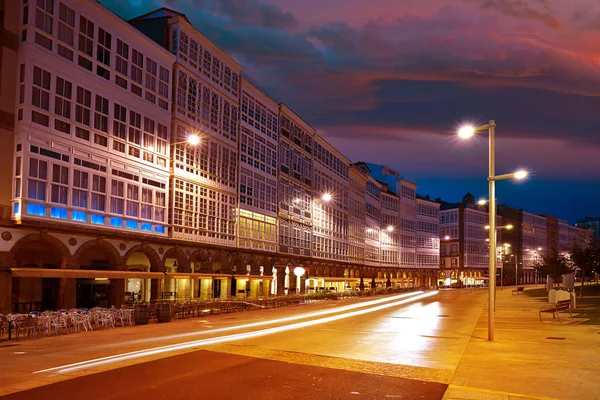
(67, 287)
(303, 284)
(293, 282)
(5, 292)
(116, 297)
(280, 281)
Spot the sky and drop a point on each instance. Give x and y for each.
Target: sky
(390, 81)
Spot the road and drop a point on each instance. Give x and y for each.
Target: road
(380, 347)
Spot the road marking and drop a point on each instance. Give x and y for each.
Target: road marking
(223, 339)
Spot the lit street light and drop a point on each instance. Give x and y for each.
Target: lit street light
(466, 132)
(192, 140)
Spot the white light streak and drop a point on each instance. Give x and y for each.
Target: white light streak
(239, 336)
(277, 321)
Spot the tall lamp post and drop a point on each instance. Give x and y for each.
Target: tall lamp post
(467, 132)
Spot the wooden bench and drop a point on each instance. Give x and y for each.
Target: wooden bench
(561, 305)
(519, 290)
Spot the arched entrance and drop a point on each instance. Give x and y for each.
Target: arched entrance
(137, 289)
(99, 255)
(27, 294)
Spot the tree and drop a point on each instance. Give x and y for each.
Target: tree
(554, 266)
(587, 260)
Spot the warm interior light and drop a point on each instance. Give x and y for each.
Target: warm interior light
(193, 140)
(521, 174)
(369, 230)
(509, 226)
(506, 244)
(466, 131)
(326, 197)
(296, 200)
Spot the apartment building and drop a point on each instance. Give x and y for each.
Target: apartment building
(464, 242)
(145, 166)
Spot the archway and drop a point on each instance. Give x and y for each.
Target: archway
(27, 294)
(99, 255)
(137, 289)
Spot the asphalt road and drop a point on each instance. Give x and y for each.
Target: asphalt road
(399, 348)
(210, 375)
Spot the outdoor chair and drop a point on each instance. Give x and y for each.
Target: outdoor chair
(60, 320)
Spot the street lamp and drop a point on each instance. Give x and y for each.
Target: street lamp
(192, 140)
(466, 132)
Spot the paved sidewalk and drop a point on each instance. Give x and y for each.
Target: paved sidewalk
(528, 359)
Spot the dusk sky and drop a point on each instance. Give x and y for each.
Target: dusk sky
(389, 81)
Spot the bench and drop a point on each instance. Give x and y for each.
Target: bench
(561, 305)
(519, 290)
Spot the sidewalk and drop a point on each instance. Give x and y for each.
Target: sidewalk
(528, 359)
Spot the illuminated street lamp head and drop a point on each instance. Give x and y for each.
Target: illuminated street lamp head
(539, 249)
(506, 245)
(482, 202)
(326, 197)
(193, 140)
(390, 228)
(521, 174)
(487, 227)
(447, 237)
(509, 226)
(466, 131)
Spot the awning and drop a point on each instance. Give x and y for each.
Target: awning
(200, 275)
(333, 278)
(82, 273)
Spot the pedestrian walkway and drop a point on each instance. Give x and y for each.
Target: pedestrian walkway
(555, 359)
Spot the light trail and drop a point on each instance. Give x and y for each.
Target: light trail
(206, 342)
(276, 321)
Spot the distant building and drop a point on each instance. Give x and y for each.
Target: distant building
(592, 223)
(464, 247)
(536, 236)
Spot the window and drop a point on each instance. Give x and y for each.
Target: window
(41, 88)
(101, 114)
(83, 106)
(80, 189)
(62, 104)
(60, 184)
(159, 210)
(103, 48)
(161, 139)
(135, 124)
(122, 63)
(147, 202)
(36, 185)
(98, 193)
(133, 195)
(137, 66)
(150, 75)
(44, 22)
(119, 122)
(117, 194)
(86, 41)
(66, 31)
